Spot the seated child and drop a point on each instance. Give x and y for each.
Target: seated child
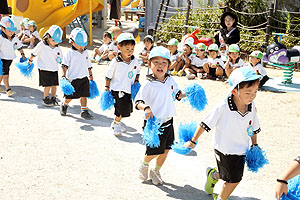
(149, 44)
(34, 37)
(101, 53)
(113, 48)
(255, 62)
(234, 61)
(214, 67)
(24, 28)
(184, 59)
(196, 67)
(173, 46)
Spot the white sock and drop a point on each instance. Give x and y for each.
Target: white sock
(213, 175)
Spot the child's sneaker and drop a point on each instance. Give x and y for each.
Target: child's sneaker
(1, 89)
(174, 73)
(86, 115)
(54, 101)
(155, 177)
(190, 76)
(210, 182)
(93, 60)
(180, 73)
(117, 130)
(10, 93)
(63, 109)
(113, 125)
(143, 172)
(47, 101)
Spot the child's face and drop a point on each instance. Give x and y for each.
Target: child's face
(106, 40)
(51, 42)
(254, 60)
(213, 54)
(200, 52)
(246, 94)
(159, 67)
(234, 55)
(22, 27)
(172, 48)
(126, 51)
(79, 48)
(187, 49)
(147, 44)
(30, 28)
(229, 21)
(8, 33)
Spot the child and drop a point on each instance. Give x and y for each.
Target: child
(184, 59)
(9, 42)
(77, 67)
(149, 44)
(255, 62)
(157, 98)
(290, 172)
(24, 28)
(102, 52)
(122, 72)
(214, 67)
(113, 47)
(173, 46)
(34, 37)
(234, 61)
(49, 56)
(196, 67)
(232, 136)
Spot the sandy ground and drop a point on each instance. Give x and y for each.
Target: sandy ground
(46, 156)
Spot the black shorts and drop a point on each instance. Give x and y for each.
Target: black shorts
(231, 167)
(6, 66)
(166, 139)
(212, 71)
(48, 78)
(123, 105)
(82, 88)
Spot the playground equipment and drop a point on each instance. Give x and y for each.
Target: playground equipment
(49, 12)
(133, 4)
(196, 40)
(279, 56)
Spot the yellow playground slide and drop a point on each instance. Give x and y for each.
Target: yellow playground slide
(135, 3)
(49, 12)
(125, 3)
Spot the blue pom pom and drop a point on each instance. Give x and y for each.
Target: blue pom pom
(25, 68)
(23, 60)
(94, 92)
(107, 100)
(196, 96)
(185, 133)
(134, 90)
(293, 189)
(66, 86)
(256, 158)
(151, 132)
(1, 67)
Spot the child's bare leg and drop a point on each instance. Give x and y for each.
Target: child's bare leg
(83, 101)
(104, 56)
(161, 158)
(1, 77)
(6, 81)
(228, 71)
(179, 66)
(118, 119)
(227, 189)
(96, 52)
(111, 56)
(148, 158)
(173, 65)
(219, 71)
(67, 101)
(53, 91)
(46, 91)
(206, 67)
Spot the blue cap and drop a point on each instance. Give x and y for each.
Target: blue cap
(160, 51)
(8, 23)
(79, 36)
(241, 74)
(55, 32)
(125, 36)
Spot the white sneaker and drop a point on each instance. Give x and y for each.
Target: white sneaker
(143, 172)
(117, 130)
(155, 177)
(10, 93)
(190, 76)
(1, 89)
(113, 125)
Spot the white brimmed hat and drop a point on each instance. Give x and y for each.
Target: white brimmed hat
(160, 51)
(79, 36)
(55, 32)
(125, 36)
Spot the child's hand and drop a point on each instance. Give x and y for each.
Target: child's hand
(91, 77)
(106, 88)
(148, 113)
(280, 188)
(189, 145)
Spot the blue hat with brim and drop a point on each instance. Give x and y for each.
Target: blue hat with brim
(8, 24)
(241, 74)
(55, 32)
(160, 51)
(79, 36)
(125, 36)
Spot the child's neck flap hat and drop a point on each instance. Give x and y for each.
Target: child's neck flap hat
(257, 54)
(79, 36)
(201, 46)
(160, 51)
(24, 22)
(8, 24)
(234, 48)
(173, 41)
(125, 36)
(31, 23)
(213, 47)
(241, 74)
(55, 32)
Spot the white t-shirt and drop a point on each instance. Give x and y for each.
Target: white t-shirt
(231, 134)
(104, 47)
(198, 62)
(8, 47)
(77, 62)
(260, 69)
(48, 57)
(27, 33)
(146, 51)
(175, 56)
(191, 57)
(160, 96)
(122, 74)
(216, 61)
(36, 35)
(239, 63)
(113, 47)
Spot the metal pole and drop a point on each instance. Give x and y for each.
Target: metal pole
(187, 16)
(165, 12)
(269, 21)
(158, 15)
(91, 23)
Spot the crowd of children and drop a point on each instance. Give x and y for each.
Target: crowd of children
(156, 97)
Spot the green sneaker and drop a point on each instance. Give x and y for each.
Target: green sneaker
(210, 182)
